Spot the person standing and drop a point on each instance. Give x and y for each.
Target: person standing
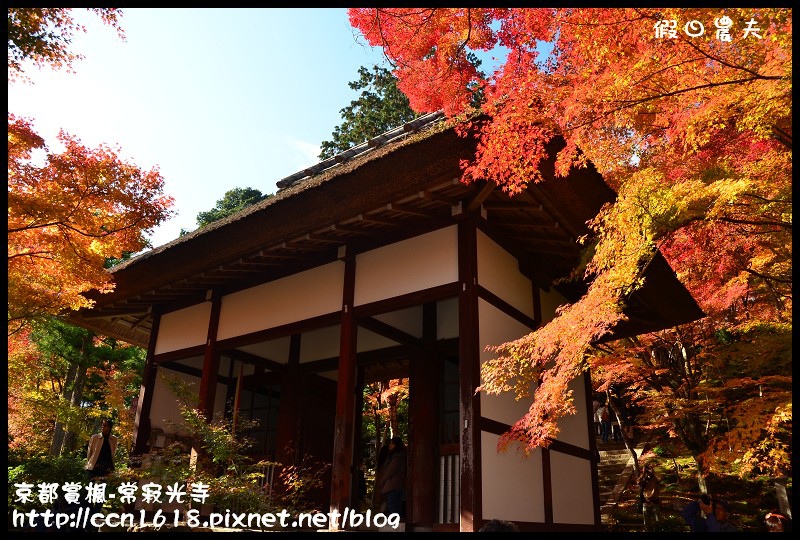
(595, 406)
(100, 454)
(393, 479)
(605, 422)
(378, 500)
(100, 461)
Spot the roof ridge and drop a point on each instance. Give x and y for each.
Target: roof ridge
(379, 140)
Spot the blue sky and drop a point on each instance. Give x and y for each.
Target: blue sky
(216, 98)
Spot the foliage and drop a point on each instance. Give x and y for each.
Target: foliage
(170, 465)
(379, 108)
(234, 200)
(43, 36)
(224, 449)
(713, 395)
(694, 134)
(70, 212)
(299, 482)
(45, 388)
(772, 455)
(41, 469)
(234, 480)
(67, 217)
(750, 496)
(384, 413)
(31, 399)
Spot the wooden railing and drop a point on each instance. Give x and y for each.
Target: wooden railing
(448, 509)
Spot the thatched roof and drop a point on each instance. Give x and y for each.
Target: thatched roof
(403, 183)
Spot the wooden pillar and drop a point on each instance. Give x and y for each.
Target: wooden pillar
(424, 423)
(341, 474)
(287, 445)
(208, 379)
(358, 407)
(468, 368)
(141, 424)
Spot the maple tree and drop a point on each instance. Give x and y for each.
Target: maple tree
(69, 215)
(43, 36)
(62, 380)
(692, 131)
(382, 403)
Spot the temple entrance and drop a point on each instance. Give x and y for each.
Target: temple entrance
(424, 411)
(384, 413)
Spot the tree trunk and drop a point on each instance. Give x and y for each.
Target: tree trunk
(71, 435)
(66, 395)
(701, 474)
(393, 426)
(629, 442)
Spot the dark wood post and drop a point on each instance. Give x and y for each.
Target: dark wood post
(208, 380)
(141, 425)
(342, 477)
(424, 423)
(468, 367)
(287, 444)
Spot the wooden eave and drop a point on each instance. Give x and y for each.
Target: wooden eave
(405, 188)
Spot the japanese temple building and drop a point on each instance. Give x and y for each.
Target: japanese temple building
(377, 264)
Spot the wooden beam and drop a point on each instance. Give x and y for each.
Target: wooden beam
(433, 196)
(352, 230)
(179, 354)
(388, 331)
(313, 323)
(250, 358)
(405, 209)
(376, 219)
(439, 292)
(189, 370)
(485, 191)
(513, 204)
(320, 366)
(506, 308)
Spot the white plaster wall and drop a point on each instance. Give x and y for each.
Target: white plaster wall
(512, 486)
(164, 412)
(404, 267)
(165, 409)
(186, 327)
(497, 328)
(574, 429)
(320, 344)
(294, 298)
(572, 489)
(501, 474)
(276, 350)
(498, 271)
(409, 320)
(447, 319)
(550, 301)
(370, 341)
